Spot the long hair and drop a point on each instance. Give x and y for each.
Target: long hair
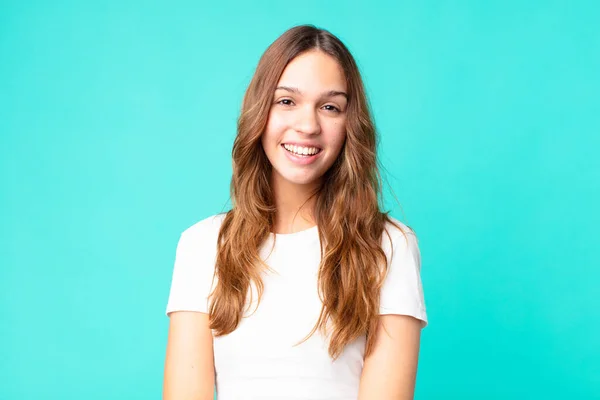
(347, 206)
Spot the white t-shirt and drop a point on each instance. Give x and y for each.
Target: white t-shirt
(258, 360)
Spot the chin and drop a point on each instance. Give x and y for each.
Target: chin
(300, 180)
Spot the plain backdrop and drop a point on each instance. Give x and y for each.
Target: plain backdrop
(116, 125)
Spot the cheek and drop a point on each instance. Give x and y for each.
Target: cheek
(336, 134)
(270, 133)
(276, 123)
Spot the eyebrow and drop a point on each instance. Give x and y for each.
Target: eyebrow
(329, 93)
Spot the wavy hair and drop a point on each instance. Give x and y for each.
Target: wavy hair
(347, 209)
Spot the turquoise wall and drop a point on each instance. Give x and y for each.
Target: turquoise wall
(116, 126)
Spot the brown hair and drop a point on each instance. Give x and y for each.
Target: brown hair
(347, 210)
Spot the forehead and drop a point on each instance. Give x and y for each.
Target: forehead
(314, 71)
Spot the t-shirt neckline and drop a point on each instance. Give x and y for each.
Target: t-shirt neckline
(305, 233)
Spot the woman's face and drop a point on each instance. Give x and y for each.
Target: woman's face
(307, 116)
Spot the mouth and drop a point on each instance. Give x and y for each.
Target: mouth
(301, 159)
(304, 152)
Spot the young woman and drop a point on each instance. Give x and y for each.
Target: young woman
(305, 289)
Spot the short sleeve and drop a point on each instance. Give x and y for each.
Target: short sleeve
(402, 291)
(193, 270)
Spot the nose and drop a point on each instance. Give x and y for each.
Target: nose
(307, 121)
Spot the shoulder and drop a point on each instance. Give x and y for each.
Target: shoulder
(201, 237)
(402, 292)
(399, 236)
(205, 228)
(194, 266)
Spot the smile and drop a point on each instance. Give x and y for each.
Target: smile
(301, 150)
(298, 156)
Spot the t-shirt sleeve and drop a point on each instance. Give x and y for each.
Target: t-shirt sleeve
(402, 291)
(193, 271)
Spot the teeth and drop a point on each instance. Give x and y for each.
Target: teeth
(301, 150)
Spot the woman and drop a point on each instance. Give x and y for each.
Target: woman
(304, 289)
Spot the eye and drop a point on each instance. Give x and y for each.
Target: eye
(332, 108)
(285, 102)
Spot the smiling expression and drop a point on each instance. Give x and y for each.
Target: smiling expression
(309, 112)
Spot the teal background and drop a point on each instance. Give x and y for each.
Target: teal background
(116, 126)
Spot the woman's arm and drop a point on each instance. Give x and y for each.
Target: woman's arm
(189, 365)
(389, 373)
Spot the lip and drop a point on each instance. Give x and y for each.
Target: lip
(303, 144)
(301, 160)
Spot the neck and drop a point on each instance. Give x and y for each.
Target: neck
(295, 211)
